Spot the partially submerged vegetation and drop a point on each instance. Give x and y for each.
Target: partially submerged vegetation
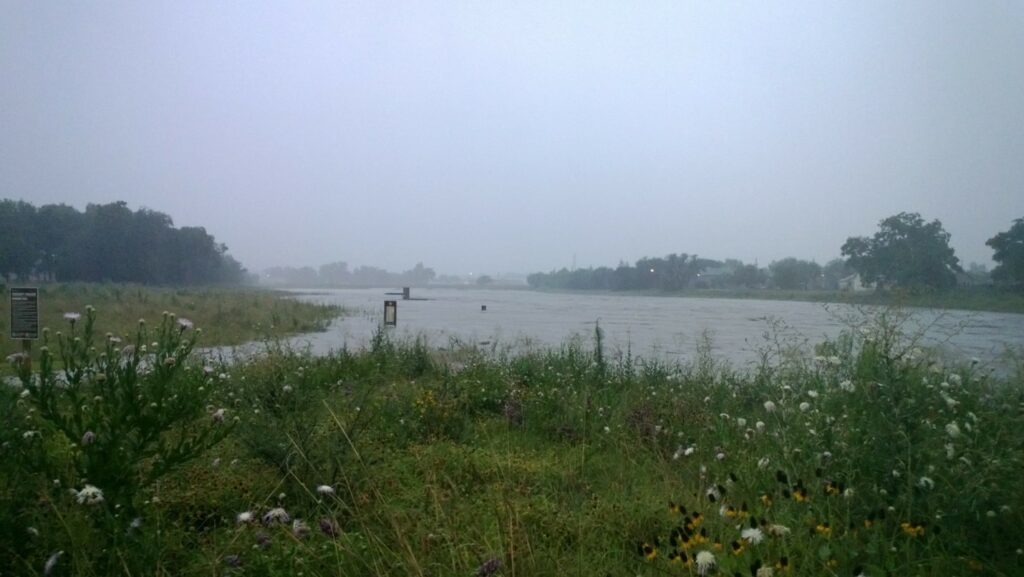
(231, 315)
(868, 458)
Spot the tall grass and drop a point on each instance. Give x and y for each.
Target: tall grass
(868, 457)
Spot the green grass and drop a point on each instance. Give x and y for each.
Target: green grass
(561, 462)
(228, 316)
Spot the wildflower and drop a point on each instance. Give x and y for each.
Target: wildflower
(72, 317)
(29, 435)
(769, 406)
(33, 531)
(136, 523)
(705, 562)
(783, 563)
(89, 495)
(244, 517)
(812, 394)
(325, 490)
(834, 361)
(846, 386)
(329, 527)
(737, 547)
(765, 572)
(184, 324)
(766, 499)
(300, 529)
(805, 406)
(713, 494)
(287, 388)
(950, 450)
(759, 426)
(720, 456)
(233, 561)
(218, 415)
(276, 515)
(488, 567)
(752, 535)
(51, 563)
(925, 483)
(953, 430)
(848, 493)
(912, 529)
(647, 551)
(741, 422)
(689, 451)
(679, 557)
(823, 529)
(799, 494)
(764, 463)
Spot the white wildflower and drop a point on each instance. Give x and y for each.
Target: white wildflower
(184, 324)
(950, 450)
(244, 517)
(218, 415)
(953, 430)
(847, 386)
(72, 317)
(776, 530)
(287, 388)
(276, 515)
(769, 406)
(741, 422)
(759, 426)
(765, 572)
(689, 451)
(763, 463)
(805, 406)
(925, 483)
(325, 490)
(705, 562)
(89, 495)
(752, 536)
(812, 394)
(51, 563)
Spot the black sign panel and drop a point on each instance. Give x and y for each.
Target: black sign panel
(24, 313)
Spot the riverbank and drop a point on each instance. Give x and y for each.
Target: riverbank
(403, 460)
(228, 316)
(988, 299)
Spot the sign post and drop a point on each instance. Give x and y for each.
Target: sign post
(390, 313)
(25, 318)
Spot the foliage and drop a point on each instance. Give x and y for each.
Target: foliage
(109, 242)
(130, 413)
(673, 272)
(1009, 253)
(231, 316)
(793, 274)
(905, 252)
(402, 460)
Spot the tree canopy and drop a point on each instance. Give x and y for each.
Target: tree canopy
(1009, 253)
(109, 242)
(905, 252)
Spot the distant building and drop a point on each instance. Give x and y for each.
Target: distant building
(853, 283)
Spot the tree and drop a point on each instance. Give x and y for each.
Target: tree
(795, 274)
(1009, 253)
(905, 252)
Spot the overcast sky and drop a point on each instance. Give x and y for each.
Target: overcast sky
(495, 137)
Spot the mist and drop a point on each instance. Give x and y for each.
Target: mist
(520, 137)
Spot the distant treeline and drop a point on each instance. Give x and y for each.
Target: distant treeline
(682, 271)
(338, 274)
(108, 242)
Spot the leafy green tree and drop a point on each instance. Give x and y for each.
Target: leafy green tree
(905, 252)
(795, 274)
(1009, 253)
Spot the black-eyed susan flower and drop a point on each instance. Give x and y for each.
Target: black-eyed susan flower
(737, 547)
(912, 529)
(823, 529)
(648, 550)
(783, 564)
(675, 508)
(766, 499)
(680, 557)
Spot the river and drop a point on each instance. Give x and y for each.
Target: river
(669, 328)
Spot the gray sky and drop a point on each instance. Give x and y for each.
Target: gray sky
(487, 136)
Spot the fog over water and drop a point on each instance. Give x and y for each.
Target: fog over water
(510, 137)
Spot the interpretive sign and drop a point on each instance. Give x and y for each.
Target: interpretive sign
(24, 313)
(390, 313)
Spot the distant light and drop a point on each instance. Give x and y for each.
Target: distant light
(652, 270)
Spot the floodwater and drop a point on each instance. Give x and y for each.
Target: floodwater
(669, 328)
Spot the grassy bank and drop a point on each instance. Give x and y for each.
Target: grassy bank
(869, 458)
(228, 316)
(968, 299)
